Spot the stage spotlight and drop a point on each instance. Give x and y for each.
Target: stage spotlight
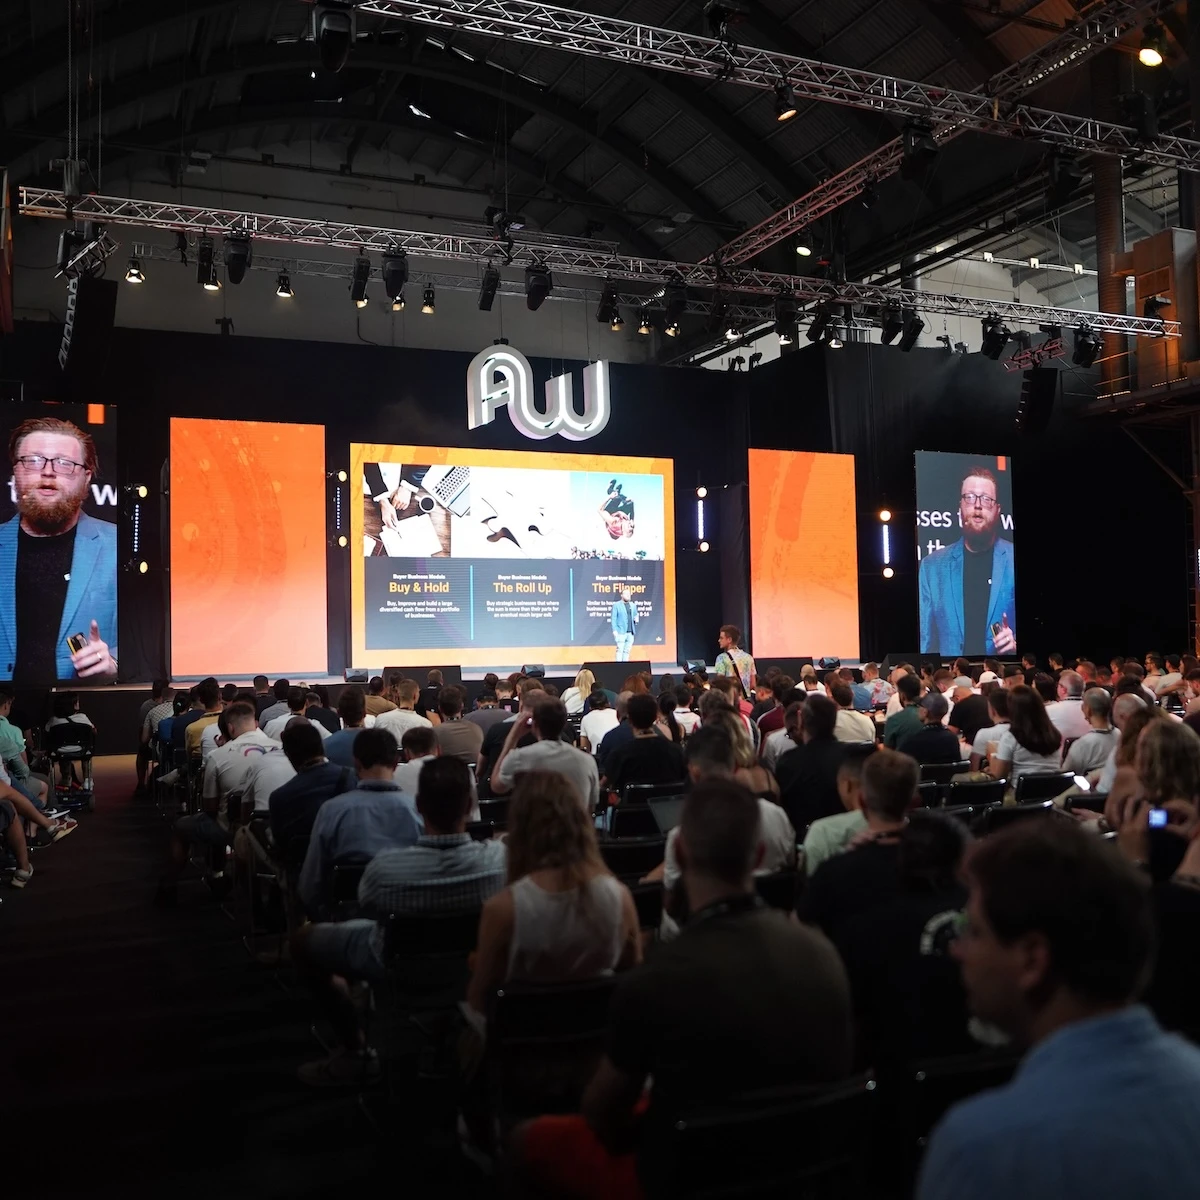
(833, 338)
(1154, 46)
(606, 310)
(427, 301)
(487, 288)
(995, 337)
(785, 319)
(333, 31)
(206, 268)
(755, 359)
(358, 284)
(618, 322)
(672, 329)
(804, 244)
(342, 477)
(343, 541)
(888, 573)
(1152, 308)
(816, 330)
(141, 491)
(920, 149)
(283, 287)
(1088, 345)
(785, 101)
(1066, 177)
(538, 285)
(674, 301)
(731, 333)
(885, 515)
(644, 325)
(133, 273)
(143, 567)
(398, 303)
(238, 256)
(869, 196)
(503, 223)
(395, 274)
(893, 324)
(704, 547)
(701, 492)
(913, 325)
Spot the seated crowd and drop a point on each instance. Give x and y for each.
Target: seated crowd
(787, 882)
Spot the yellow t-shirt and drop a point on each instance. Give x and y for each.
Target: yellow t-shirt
(195, 731)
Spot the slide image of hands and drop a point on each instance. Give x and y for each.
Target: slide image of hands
(409, 510)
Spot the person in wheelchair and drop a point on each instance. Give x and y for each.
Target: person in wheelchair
(66, 712)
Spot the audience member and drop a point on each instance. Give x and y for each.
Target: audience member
(665, 721)
(403, 714)
(456, 737)
(142, 761)
(906, 720)
(279, 689)
(293, 805)
(228, 765)
(263, 697)
(1056, 949)
(689, 1020)
(777, 744)
(149, 733)
(427, 701)
(1044, 685)
(933, 742)
(1118, 780)
(600, 719)
(418, 747)
(968, 714)
(687, 720)
(748, 771)
(828, 836)
(529, 693)
(297, 702)
(444, 871)
(377, 703)
(355, 826)
(352, 711)
(317, 709)
(15, 808)
(808, 774)
(487, 711)
(1090, 752)
(548, 753)
(1031, 742)
(866, 874)
(574, 697)
(1066, 712)
(850, 726)
(781, 689)
(878, 691)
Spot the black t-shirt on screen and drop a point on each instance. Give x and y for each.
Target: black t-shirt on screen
(645, 760)
(977, 596)
(42, 577)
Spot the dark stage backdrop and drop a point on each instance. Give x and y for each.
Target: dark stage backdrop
(1103, 560)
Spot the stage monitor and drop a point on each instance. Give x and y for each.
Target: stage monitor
(248, 550)
(58, 520)
(803, 555)
(509, 557)
(967, 571)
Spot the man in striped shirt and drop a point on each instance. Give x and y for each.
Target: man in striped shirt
(445, 872)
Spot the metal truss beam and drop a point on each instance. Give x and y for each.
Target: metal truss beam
(532, 23)
(560, 256)
(1100, 27)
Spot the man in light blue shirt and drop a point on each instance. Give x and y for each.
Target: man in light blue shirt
(357, 825)
(1057, 945)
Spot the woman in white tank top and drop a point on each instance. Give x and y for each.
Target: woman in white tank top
(563, 916)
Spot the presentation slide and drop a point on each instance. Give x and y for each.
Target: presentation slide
(491, 558)
(803, 555)
(58, 543)
(967, 568)
(248, 549)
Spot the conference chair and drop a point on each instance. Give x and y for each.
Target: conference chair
(495, 811)
(942, 773)
(482, 831)
(1000, 816)
(631, 858)
(648, 900)
(543, 1044)
(966, 813)
(791, 1141)
(643, 793)
(779, 889)
(938, 1084)
(929, 794)
(1043, 785)
(341, 897)
(632, 821)
(64, 745)
(985, 792)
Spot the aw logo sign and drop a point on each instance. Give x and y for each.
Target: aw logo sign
(500, 376)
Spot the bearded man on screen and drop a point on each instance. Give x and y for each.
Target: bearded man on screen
(968, 591)
(58, 566)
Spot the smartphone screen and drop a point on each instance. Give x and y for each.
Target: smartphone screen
(1082, 784)
(76, 641)
(1158, 818)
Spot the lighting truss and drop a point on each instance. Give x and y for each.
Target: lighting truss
(712, 277)
(632, 44)
(1104, 25)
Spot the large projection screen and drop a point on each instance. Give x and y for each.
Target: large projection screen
(493, 558)
(803, 555)
(967, 572)
(248, 549)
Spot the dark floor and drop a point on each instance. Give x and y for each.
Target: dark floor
(143, 1051)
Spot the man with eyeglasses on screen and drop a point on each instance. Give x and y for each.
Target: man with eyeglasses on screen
(968, 595)
(58, 566)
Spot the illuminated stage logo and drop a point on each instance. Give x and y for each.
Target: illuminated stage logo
(500, 376)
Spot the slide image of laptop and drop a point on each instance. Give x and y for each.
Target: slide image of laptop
(449, 486)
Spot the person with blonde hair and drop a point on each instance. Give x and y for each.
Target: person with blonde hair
(563, 915)
(748, 771)
(578, 692)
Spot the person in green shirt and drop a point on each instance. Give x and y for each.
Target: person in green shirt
(907, 721)
(829, 836)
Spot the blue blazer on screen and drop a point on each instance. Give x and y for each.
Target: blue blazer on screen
(941, 577)
(91, 594)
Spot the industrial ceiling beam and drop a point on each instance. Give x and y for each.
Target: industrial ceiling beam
(558, 255)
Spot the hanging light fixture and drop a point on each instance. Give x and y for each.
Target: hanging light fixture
(427, 304)
(133, 273)
(283, 287)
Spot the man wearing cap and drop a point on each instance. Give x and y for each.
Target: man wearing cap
(933, 743)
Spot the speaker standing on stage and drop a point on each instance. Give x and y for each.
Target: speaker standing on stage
(968, 594)
(624, 624)
(58, 566)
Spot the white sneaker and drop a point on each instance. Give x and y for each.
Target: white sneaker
(21, 878)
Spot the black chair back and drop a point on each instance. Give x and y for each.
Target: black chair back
(988, 792)
(636, 820)
(942, 772)
(481, 831)
(779, 889)
(426, 956)
(543, 1045)
(631, 858)
(796, 1142)
(81, 737)
(966, 813)
(494, 810)
(1043, 785)
(648, 900)
(342, 901)
(999, 816)
(929, 794)
(640, 793)
(938, 1084)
